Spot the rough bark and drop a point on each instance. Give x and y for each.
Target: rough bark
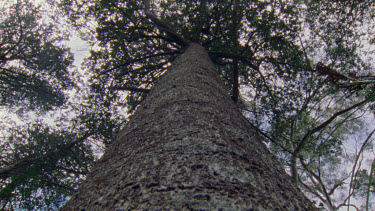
(188, 147)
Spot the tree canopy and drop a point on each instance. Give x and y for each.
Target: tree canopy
(33, 63)
(299, 71)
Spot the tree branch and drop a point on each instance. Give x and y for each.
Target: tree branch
(270, 139)
(355, 83)
(133, 89)
(324, 124)
(164, 26)
(313, 191)
(354, 174)
(4, 172)
(244, 59)
(319, 179)
(137, 60)
(58, 184)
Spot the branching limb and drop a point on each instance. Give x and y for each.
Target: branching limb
(354, 174)
(247, 61)
(163, 26)
(324, 124)
(133, 89)
(4, 172)
(243, 59)
(317, 194)
(294, 170)
(57, 184)
(348, 81)
(269, 138)
(323, 188)
(137, 60)
(357, 82)
(344, 204)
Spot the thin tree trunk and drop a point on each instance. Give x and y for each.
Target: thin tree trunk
(188, 147)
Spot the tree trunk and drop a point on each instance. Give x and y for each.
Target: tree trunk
(188, 147)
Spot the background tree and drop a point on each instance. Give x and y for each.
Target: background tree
(42, 164)
(33, 63)
(39, 166)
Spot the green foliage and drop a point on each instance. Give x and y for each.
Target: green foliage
(33, 63)
(135, 53)
(40, 167)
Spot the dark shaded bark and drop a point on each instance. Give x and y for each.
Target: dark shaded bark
(188, 147)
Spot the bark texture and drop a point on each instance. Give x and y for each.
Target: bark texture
(187, 147)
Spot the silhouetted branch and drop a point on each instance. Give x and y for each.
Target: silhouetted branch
(324, 124)
(321, 184)
(243, 59)
(133, 89)
(30, 160)
(137, 60)
(162, 25)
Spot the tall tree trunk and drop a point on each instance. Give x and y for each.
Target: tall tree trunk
(188, 147)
